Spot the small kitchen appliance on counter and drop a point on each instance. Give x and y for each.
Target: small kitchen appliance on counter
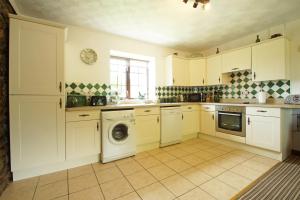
(76, 100)
(292, 99)
(98, 101)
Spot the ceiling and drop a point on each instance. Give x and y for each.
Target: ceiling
(167, 22)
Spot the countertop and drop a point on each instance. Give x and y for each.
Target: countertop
(126, 106)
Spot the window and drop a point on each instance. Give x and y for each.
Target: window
(129, 77)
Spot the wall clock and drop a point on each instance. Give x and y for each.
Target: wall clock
(88, 56)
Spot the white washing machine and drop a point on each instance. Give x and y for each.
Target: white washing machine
(118, 134)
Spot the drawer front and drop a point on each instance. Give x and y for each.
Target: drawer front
(259, 111)
(208, 108)
(82, 115)
(147, 111)
(190, 107)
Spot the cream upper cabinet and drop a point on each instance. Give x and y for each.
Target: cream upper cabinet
(236, 60)
(207, 120)
(197, 72)
(177, 71)
(191, 121)
(270, 60)
(214, 70)
(147, 127)
(36, 64)
(37, 131)
(82, 138)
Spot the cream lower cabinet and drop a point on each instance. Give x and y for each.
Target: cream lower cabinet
(263, 128)
(82, 134)
(207, 120)
(147, 128)
(37, 131)
(191, 121)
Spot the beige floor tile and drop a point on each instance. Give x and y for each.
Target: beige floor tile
(234, 158)
(116, 188)
(79, 171)
(155, 191)
(141, 155)
(177, 184)
(155, 151)
(29, 183)
(161, 171)
(130, 167)
(192, 160)
(264, 160)
(51, 191)
(178, 165)
(108, 174)
(215, 151)
(190, 149)
(141, 179)
(224, 163)
(130, 196)
(124, 161)
(93, 193)
(203, 146)
(245, 154)
(82, 182)
(178, 153)
(53, 177)
(23, 193)
(205, 155)
(170, 148)
(211, 169)
(218, 189)
(234, 180)
(246, 172)
(256, 165)
(225, 148)
(164, 157)
(62, 198)
(196, 176)
(148, 162)
(100, 166)
(196, 194)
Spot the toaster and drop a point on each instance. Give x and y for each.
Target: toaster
(98, 101)
(292, 99)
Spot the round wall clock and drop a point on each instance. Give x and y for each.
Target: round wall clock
(88, 56)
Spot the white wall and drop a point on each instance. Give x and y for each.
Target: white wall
(80, 38)
(291, 30)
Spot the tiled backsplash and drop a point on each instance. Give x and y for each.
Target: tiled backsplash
(241, 87)
(88, 89)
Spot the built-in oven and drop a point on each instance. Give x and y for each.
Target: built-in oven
(231, 120)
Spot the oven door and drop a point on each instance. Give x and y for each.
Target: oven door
(231, 123)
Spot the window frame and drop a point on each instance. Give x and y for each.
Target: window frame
(128, 81)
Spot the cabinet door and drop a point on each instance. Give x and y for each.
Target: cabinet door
(180, 72)
(37, 130)
(263, 132)
(82, 138)
(207, 125)
(236, 60)
(190, 122)
(36, 59)
(147, 129)
(197, 70)
(269, 60)
(214, 70)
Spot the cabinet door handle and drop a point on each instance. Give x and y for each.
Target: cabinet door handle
(203, 81)
(213, 116)
(60, 103)
(60, 86)
(147, 111)
(262, 111)
(84, 115)
(189, 107)
(97, 126)
(157, 119)
(219, 80)
(254, 75)
(248, 120)
(233, 69)
(173, 80)
(182, 117)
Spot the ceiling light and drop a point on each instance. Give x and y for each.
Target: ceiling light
(204, 3)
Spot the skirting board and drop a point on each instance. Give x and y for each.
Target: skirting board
(147, 147)
(256, 150)
(27, 173)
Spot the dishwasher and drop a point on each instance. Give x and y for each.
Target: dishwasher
(171, 125)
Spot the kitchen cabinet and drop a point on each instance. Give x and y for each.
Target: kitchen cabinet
(263, 128)
(197, 70)
(270, 60)
(214, 70)
(82, 134)
(236, 60)
(147, 128)
(36, 64)
(207, 120)
(191, 121)
(177, 71)
(37, 131)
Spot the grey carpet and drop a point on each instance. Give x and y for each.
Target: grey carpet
(282, 182)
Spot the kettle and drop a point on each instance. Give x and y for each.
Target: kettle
(262, 97)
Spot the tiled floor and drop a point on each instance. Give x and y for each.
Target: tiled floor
(195, 169)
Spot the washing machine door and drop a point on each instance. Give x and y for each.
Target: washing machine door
(119, 132)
